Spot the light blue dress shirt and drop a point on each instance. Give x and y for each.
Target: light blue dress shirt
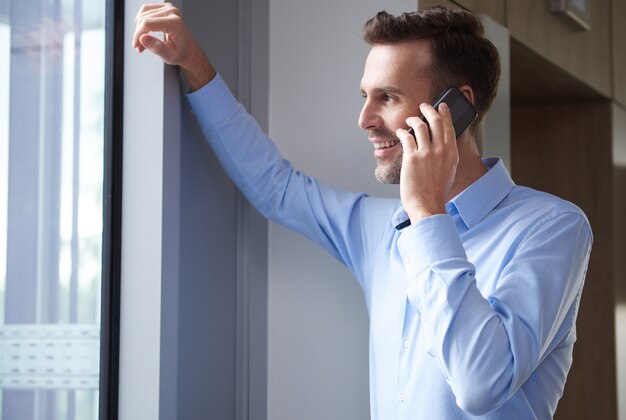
(472, 313)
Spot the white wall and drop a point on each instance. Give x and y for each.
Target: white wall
(318, 326)
(495, 136)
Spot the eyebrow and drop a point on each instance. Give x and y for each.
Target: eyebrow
(385, 89)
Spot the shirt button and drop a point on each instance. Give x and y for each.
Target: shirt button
(401, 398)
(405, 344)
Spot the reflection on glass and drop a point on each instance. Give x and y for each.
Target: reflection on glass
(52, 63)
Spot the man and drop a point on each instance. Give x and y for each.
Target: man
(472, 283)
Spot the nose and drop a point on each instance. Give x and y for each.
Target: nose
(369, 117)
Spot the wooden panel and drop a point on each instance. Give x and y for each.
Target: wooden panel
(566, 150)
(424, 4)
(619, 205)
(619, 51)
(619, 187)
(496, 9)
(537, 81)
(584, 54)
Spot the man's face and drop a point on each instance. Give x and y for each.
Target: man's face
(395, 82)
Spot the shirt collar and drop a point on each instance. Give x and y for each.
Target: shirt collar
(475, 202)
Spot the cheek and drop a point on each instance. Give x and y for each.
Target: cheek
(398, 120)
(395, 115)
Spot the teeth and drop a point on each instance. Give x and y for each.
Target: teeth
(385, 144)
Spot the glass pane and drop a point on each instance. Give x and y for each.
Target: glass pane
(52, 74)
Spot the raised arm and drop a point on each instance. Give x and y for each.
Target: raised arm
(332, 218)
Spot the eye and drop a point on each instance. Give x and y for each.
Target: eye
(387, 98)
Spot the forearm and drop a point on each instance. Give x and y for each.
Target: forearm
(282, 194)
(244, 151)
(487, 346)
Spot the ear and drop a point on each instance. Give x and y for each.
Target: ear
(468, 92)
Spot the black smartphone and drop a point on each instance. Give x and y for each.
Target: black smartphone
(462, 111)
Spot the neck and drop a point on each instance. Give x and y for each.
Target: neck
(470, 166)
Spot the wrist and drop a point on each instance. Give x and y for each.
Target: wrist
(418, 214)
(198, 72)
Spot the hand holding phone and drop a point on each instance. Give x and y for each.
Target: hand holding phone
(426, 179)
(461, 109)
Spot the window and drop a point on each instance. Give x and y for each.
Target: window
(53, 155)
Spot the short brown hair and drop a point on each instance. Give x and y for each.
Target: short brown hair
(460, 53)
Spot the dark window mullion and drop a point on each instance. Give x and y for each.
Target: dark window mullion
(112, 241)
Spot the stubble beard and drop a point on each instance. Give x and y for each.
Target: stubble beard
(388, 169)
(388, 172)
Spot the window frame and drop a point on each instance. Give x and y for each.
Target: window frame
(112, 211)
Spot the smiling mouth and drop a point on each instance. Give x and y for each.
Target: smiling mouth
(385, 144)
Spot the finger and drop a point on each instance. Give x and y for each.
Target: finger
(435, 122)
(149, 11)
(157, 47)
(420, 129)
(136, 44)
(159, 10)
(146, 7)
(407, 140)
(140, 28)
(449, 134)
(159, 24)
(156, 24)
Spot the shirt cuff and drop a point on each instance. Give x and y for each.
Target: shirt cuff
(429, 241)
(214, 99)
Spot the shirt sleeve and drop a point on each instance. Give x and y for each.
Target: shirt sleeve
(487, 347)
(330, 217)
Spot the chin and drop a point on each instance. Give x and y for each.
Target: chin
(388, 169)
(387, 177)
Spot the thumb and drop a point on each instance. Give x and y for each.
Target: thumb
(155, 46)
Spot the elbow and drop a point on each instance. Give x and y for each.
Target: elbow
(478, 399)
(475, 407)
(480, 391)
